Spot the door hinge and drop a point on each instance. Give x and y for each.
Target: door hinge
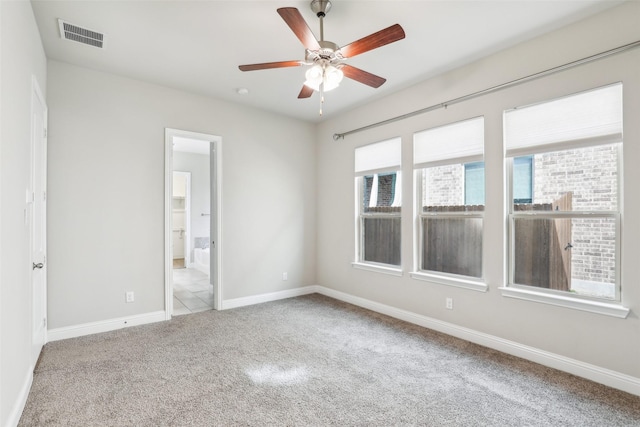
(44, 322)
(45, 132)
(44, 196)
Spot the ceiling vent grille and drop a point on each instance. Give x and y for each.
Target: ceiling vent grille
(81, 35)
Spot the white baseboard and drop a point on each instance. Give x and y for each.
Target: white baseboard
(585, 370)
(104, 326)
(594, 373)
(21, 400)
(273, 296)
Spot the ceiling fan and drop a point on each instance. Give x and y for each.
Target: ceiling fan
(325, 58)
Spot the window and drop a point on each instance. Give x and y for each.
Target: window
(449, 166)
(564, 235)
(474, 181)
(379, 203)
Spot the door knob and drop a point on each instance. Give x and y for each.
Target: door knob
(38, 265)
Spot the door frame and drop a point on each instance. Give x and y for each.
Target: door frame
(38, 172)
(216, 207)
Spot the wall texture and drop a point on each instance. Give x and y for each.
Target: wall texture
(22, 58)
(106, 135)
(590, 338)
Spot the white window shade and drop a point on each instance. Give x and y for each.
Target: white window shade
(382, 156)
(588, 118)
(459, 142)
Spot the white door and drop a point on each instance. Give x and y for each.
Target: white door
(38, 221)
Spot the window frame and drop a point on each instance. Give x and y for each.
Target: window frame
(612, 214)
(360, 216)
(442, 277)
(611, 307)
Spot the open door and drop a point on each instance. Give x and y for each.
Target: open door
(38, 215)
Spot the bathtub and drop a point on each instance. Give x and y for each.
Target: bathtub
(201, 260)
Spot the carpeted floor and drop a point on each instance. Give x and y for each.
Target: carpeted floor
(307, 361)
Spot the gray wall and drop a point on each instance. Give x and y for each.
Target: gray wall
(106, 187)
(603, 341)
(106, 178)
(22, 57)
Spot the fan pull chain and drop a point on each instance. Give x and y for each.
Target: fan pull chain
(321, 96)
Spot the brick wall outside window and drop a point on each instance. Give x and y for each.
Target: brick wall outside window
(591, 176)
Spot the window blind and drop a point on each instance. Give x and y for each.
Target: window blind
(587, 118)
(382, 156)
(459, 142)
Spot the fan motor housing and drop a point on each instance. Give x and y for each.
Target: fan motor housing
(328, 51)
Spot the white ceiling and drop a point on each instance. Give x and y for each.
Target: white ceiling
(197, 46)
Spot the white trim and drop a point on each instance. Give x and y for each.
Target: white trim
(217, 142)
(105, 325)
(378, 268)
(565, 145)
(447, 162)
(381, 171)
(591, 372)
(273, 296)
(168, 237)
(21, 400)
(607, 309)
(458, 282)
(217, 288)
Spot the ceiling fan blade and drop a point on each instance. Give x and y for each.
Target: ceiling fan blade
(373, 41)
(362, 76)
(267, 65)
(306, 92)
(298, 25)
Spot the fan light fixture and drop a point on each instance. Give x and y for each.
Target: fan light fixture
(323, 74)
(326, 59)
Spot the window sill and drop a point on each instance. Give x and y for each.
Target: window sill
(607, 309)
(377, 268)
(451, 281)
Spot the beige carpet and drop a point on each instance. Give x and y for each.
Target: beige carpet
(307, 361)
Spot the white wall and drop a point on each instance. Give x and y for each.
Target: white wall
(22, 57)
(198, 165)
(107, 133)
(594, 339)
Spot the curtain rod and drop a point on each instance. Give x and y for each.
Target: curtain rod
(499, 87)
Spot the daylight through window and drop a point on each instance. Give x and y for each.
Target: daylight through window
(379, 203)
(450, 182)
(565, 238)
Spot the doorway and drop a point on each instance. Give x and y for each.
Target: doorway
(192, 222)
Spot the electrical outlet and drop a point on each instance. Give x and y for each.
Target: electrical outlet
(129, 296)
(449, 303)
(285, 276)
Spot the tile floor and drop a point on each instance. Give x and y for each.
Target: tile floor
(191, 291)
